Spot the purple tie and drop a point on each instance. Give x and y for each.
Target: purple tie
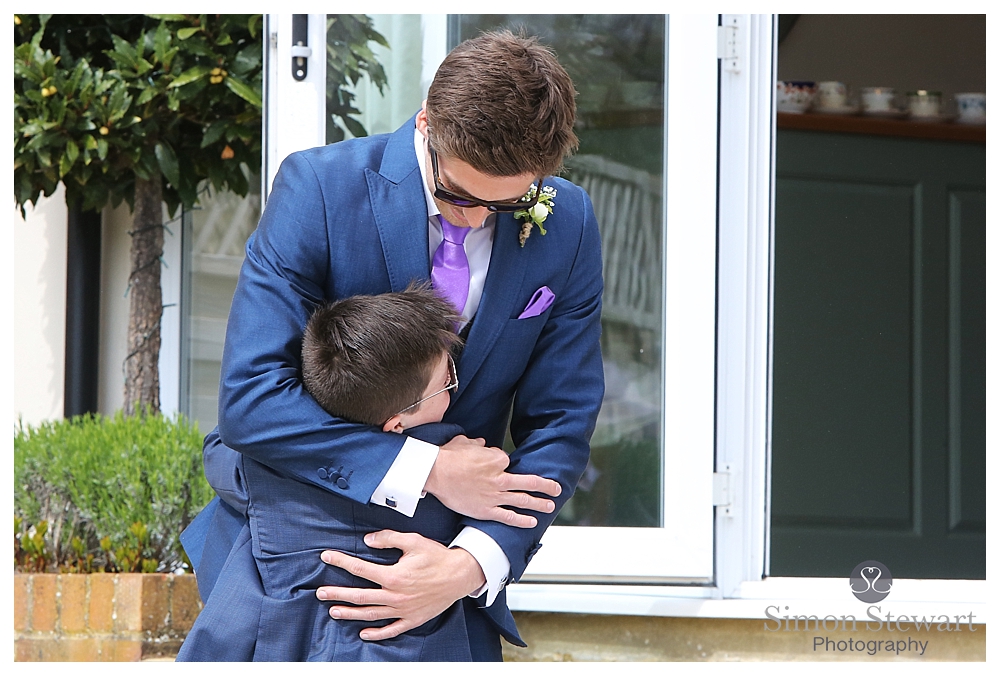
(450, 266)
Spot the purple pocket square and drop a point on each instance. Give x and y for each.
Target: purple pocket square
(539, 303)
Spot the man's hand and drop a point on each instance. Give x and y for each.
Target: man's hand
(424, 583)
(469, 478)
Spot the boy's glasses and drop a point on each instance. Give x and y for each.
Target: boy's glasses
(464, 201)
(452, 385)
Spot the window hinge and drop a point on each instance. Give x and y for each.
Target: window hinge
(729, 39)
(721, 495)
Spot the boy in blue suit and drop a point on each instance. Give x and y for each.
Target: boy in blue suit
(380, 360)
(371, 215)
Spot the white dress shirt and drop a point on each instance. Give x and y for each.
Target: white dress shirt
(402, 486)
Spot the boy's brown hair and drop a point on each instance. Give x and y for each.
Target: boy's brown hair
(503, 104)
(366, 358)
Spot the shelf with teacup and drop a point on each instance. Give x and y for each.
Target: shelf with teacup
(883, 126)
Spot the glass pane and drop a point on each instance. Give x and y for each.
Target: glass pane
(214, 239)
(378, 112)
(617, 65)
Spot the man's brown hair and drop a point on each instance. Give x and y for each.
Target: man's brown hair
(503, 104)
(366, 358)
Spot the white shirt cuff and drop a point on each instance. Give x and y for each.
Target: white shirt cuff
(403, 485)
(485, 550)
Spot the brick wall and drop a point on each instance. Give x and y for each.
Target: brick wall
(101, 617)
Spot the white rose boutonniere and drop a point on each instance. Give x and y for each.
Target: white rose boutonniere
(537, 214)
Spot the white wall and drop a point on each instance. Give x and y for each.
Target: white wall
(115, 243)
(38, 329)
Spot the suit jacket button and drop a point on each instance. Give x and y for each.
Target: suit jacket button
(342, 483)
(321, 473)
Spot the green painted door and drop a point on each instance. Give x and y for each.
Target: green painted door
(879, 407)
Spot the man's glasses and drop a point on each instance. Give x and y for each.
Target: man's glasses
(464, 201)
(452, 385)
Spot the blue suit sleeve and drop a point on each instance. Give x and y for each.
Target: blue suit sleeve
(264, 411)
(559, 396)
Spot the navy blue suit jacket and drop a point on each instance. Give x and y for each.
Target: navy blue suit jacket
(351, 218)
(260, 601)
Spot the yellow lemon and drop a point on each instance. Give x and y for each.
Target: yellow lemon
(104, 131)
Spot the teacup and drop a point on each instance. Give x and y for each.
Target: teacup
(832, 94)
(795, 97)
(971, 107)
(924, 103)
(877, 99)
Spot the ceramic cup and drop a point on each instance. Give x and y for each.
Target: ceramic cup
(795, 97)
(831, 94)
(971, 107)
(924, 103)
(877, 99)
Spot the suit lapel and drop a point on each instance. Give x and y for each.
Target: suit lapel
(500, 295)
(400, 210)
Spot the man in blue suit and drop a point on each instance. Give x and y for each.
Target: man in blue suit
(436, 199)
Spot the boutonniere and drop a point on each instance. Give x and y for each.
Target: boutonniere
(537, 214)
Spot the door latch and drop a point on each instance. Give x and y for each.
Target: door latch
(300, 46)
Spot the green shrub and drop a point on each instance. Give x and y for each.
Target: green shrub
(98, 493)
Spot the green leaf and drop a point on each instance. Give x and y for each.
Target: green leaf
(118, 103)
(161, 42)
(89, 142)
(102, 149)
(244, 91)
(143, 66)
(185, 33)
(65, 164)
(146, 96)
(253, 23)
(224, 39)
(214, 132)
(355, 127)
(247, 59)
(124, 54)
(72, 151)
(189, 76)
(168, 163)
